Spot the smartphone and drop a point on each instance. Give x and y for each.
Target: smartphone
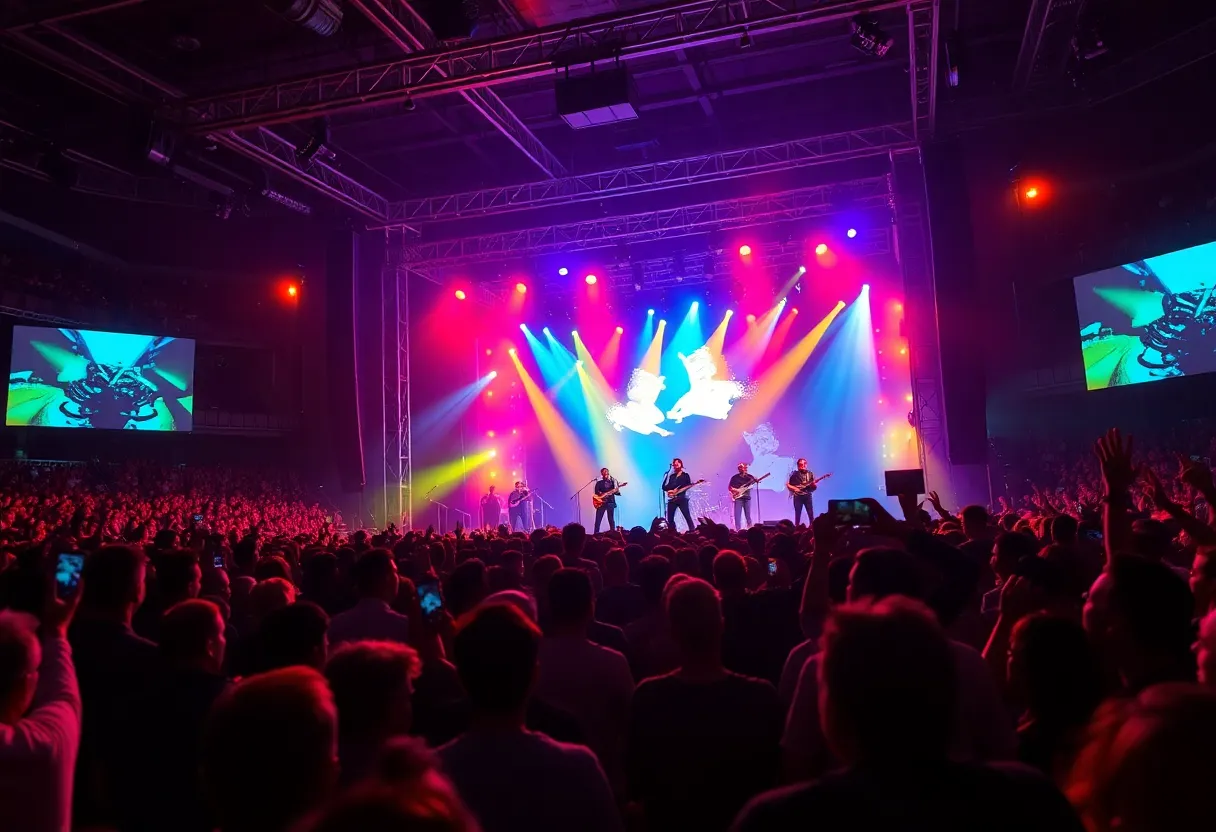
(198, 518)
(217, 561)
(430, 598)
(850, 513)
(1094, 534)
(68, 567)
(772, 567)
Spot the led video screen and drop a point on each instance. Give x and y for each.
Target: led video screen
(81, 378)
(1149, 320)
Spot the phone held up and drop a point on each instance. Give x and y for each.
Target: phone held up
(68, 567)
(850, 513)
(430, 598)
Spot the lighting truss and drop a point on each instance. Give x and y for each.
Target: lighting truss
(710, 167)
(517, 57)
(402, 24)
(923, 36)
(1046, 42)
(814, 201)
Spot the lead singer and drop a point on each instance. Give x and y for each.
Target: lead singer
(677, 478)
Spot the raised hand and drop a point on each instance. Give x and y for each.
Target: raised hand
(1115, 458)
(1154, 488)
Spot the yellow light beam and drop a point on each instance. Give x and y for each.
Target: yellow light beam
(654, 353)
(570, 454)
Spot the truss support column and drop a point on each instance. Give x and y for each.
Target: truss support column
(396, 504)
(914, 252)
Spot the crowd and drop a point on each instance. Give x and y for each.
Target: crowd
(1049, 667)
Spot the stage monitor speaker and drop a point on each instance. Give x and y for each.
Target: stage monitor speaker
(341, 260)
(603, 96)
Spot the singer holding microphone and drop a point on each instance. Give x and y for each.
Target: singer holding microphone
(519, 507)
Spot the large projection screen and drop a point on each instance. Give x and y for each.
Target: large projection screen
(1149, 320)
(82, 378)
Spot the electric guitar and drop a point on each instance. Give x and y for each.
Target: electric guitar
(597, 500)
(803, 490)
(736, 493)
(676, 492)
(513, 501)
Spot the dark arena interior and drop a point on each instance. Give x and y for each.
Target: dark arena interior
(354, 334)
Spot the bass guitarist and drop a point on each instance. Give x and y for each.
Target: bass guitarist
(743, 502)
(605, 489)
(675, 486)
(800, 485)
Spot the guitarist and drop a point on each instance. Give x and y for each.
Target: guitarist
(743, 503)
(800, 485)
(677, 478)
(519, 504)
(608, 507)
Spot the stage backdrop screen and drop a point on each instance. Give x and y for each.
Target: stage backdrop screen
(1149, 320)
(81, 378)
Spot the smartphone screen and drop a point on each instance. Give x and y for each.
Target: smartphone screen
(772, 567)
(217, 561)
(68, 567)
(198, 518)
(430, 598)
(1094, 534)
(850, 512)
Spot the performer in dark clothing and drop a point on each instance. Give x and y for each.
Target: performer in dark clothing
(800, 486)
(519, 508)
(607, 508)
(491, 509)
(678, 478)
(743, 503)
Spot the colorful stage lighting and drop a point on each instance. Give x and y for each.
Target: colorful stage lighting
(574, 333)
(493, 453)
(649, 311)
(851, 233)
(292, 291)
(545, 330)
(692, 310)
(619, 330)
(523, 327)
(821, 249)
(460, 295)
(563, 271)
(751, 319)
(591, 279)
(490, 434)
(794, 311)
(511, 351)
(865, 287)
(1032, 192)
(493, 373)
(802, 270)
(745, 250)
(521, 288)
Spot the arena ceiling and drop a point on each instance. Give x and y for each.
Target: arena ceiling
(411, 118)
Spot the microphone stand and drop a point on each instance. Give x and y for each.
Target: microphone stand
(543, 504)
(663, 494)
(578, 501)
(441, 517)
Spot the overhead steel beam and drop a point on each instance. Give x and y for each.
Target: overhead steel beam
(1158, 61)
(1046, 42)
(133, 84)
(57, 12)
(676, 173)
(516, 57)
(742, 212)
(924, 21)
(402, 24)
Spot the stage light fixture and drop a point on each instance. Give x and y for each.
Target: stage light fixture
(523, 327)
(649, 311)
(1032, 192)
(903, 350)
(511, 351)
(619, 330)
(545, 330)
(490, 434)
(292, 291)
(521, 288)
(563, 271)
(745, 250)
(493, 453)
(693, 309)
(802, 270)
(751, 319)
(489, 351)
(821, 249)
(493, 374)
(579, 363)
(460, 295)
(323, 17)
(574, 333)
(591, 279)
(908, 397)
(865, 287)
(851, 233)
(868, 37)
(794, 311)
(729, 312)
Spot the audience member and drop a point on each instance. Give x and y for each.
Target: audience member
(375, 575)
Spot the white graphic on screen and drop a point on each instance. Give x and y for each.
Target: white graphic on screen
(640, 414)
(763, 443)
(707, 395)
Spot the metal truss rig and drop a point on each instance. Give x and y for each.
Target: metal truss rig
(817, 200)
(656, 176)
(1046, 42)
(526, 55)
